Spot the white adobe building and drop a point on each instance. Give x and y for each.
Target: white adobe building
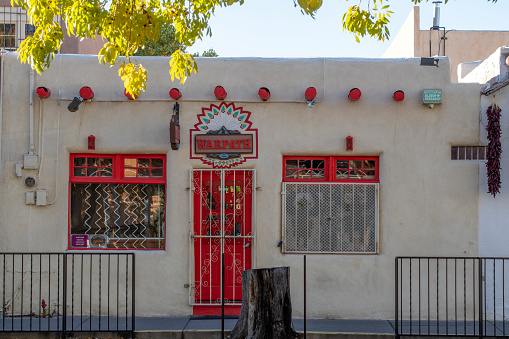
(272, 181)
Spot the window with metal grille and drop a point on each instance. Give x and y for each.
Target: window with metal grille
(339, 216)
(468, 153)
(8, 36)
(117, 201)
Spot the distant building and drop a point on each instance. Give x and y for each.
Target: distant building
(459, 46)
(15, 27)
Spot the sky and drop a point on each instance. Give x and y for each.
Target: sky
(275, 28)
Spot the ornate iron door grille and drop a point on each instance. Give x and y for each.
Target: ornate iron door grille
(330, 217)
(222, 216)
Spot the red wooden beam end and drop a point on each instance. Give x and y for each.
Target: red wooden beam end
(129, 96)
(220, 93)
(43, 92)
(310, 93)
(86, 93)
(355, 94)
(264, 93)
(175, 94)
(399, 95)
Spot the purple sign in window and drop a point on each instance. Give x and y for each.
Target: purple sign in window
(79, 240)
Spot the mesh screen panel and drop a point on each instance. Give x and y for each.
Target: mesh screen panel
(330, 217)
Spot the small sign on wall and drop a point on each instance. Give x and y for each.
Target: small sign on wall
(432, 96)
(98, 241)
(79, 240)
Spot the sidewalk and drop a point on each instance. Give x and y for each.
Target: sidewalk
(188, 327)
(207, 327)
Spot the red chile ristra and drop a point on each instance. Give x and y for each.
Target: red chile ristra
(494, 149)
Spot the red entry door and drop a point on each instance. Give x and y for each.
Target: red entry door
(222, 208)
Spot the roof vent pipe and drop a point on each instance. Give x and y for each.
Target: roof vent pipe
(436, 15)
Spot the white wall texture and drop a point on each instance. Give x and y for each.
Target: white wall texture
(428, 203)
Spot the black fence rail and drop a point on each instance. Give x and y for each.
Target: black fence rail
(67, 292)
(451, 296)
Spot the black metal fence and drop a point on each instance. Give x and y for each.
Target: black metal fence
(451, 296)
(71, 292)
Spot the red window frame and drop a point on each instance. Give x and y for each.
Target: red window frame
(117, 177)
(118, 167)
(330, 168)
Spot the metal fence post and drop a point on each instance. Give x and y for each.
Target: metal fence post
(64, 295)
(396, 289)
(480, 284)
(133, 298)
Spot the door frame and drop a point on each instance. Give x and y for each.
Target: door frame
(192, 267)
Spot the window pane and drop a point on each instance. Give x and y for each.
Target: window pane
(10, 42)
(461, 153)
(130, 173)
(291, 174)
(79, 172)
(369, 175)
(106, 172)
(355, 163)
(105, 162)
(93, 162)
(129, 162)
(474, 152)
(342, 164)
(92, 172)
(291, 164)
(304, 163)
(369, 164)
(318, 163)
(356, 175)
(157, 162)
(318, 175)
(468, 151)
(482, 152)
(304, 174)
(79, 161)
(128, 215)
(143, 162)
(341, 174)
(144, 172)
(454, 153)
(157, 173)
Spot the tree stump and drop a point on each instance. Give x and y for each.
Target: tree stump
(266, 311)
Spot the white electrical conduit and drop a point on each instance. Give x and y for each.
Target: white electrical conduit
(31, 113)
(41, 137)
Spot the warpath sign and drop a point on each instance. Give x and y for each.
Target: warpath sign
(223, 137)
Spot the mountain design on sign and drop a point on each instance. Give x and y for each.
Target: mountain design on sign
(223, 130)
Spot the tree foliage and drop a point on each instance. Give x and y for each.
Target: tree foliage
(210, 53)
(128, 25)
(164, 45)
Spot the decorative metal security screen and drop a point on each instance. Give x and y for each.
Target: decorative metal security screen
(330, 217)
(222, 223)
(128, 215)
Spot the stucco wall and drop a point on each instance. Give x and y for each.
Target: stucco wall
(428, 204)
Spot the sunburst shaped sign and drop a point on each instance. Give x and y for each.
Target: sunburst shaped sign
(223, 136)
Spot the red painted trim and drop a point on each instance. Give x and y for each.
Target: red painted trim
(216, 310)
(330, 168)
